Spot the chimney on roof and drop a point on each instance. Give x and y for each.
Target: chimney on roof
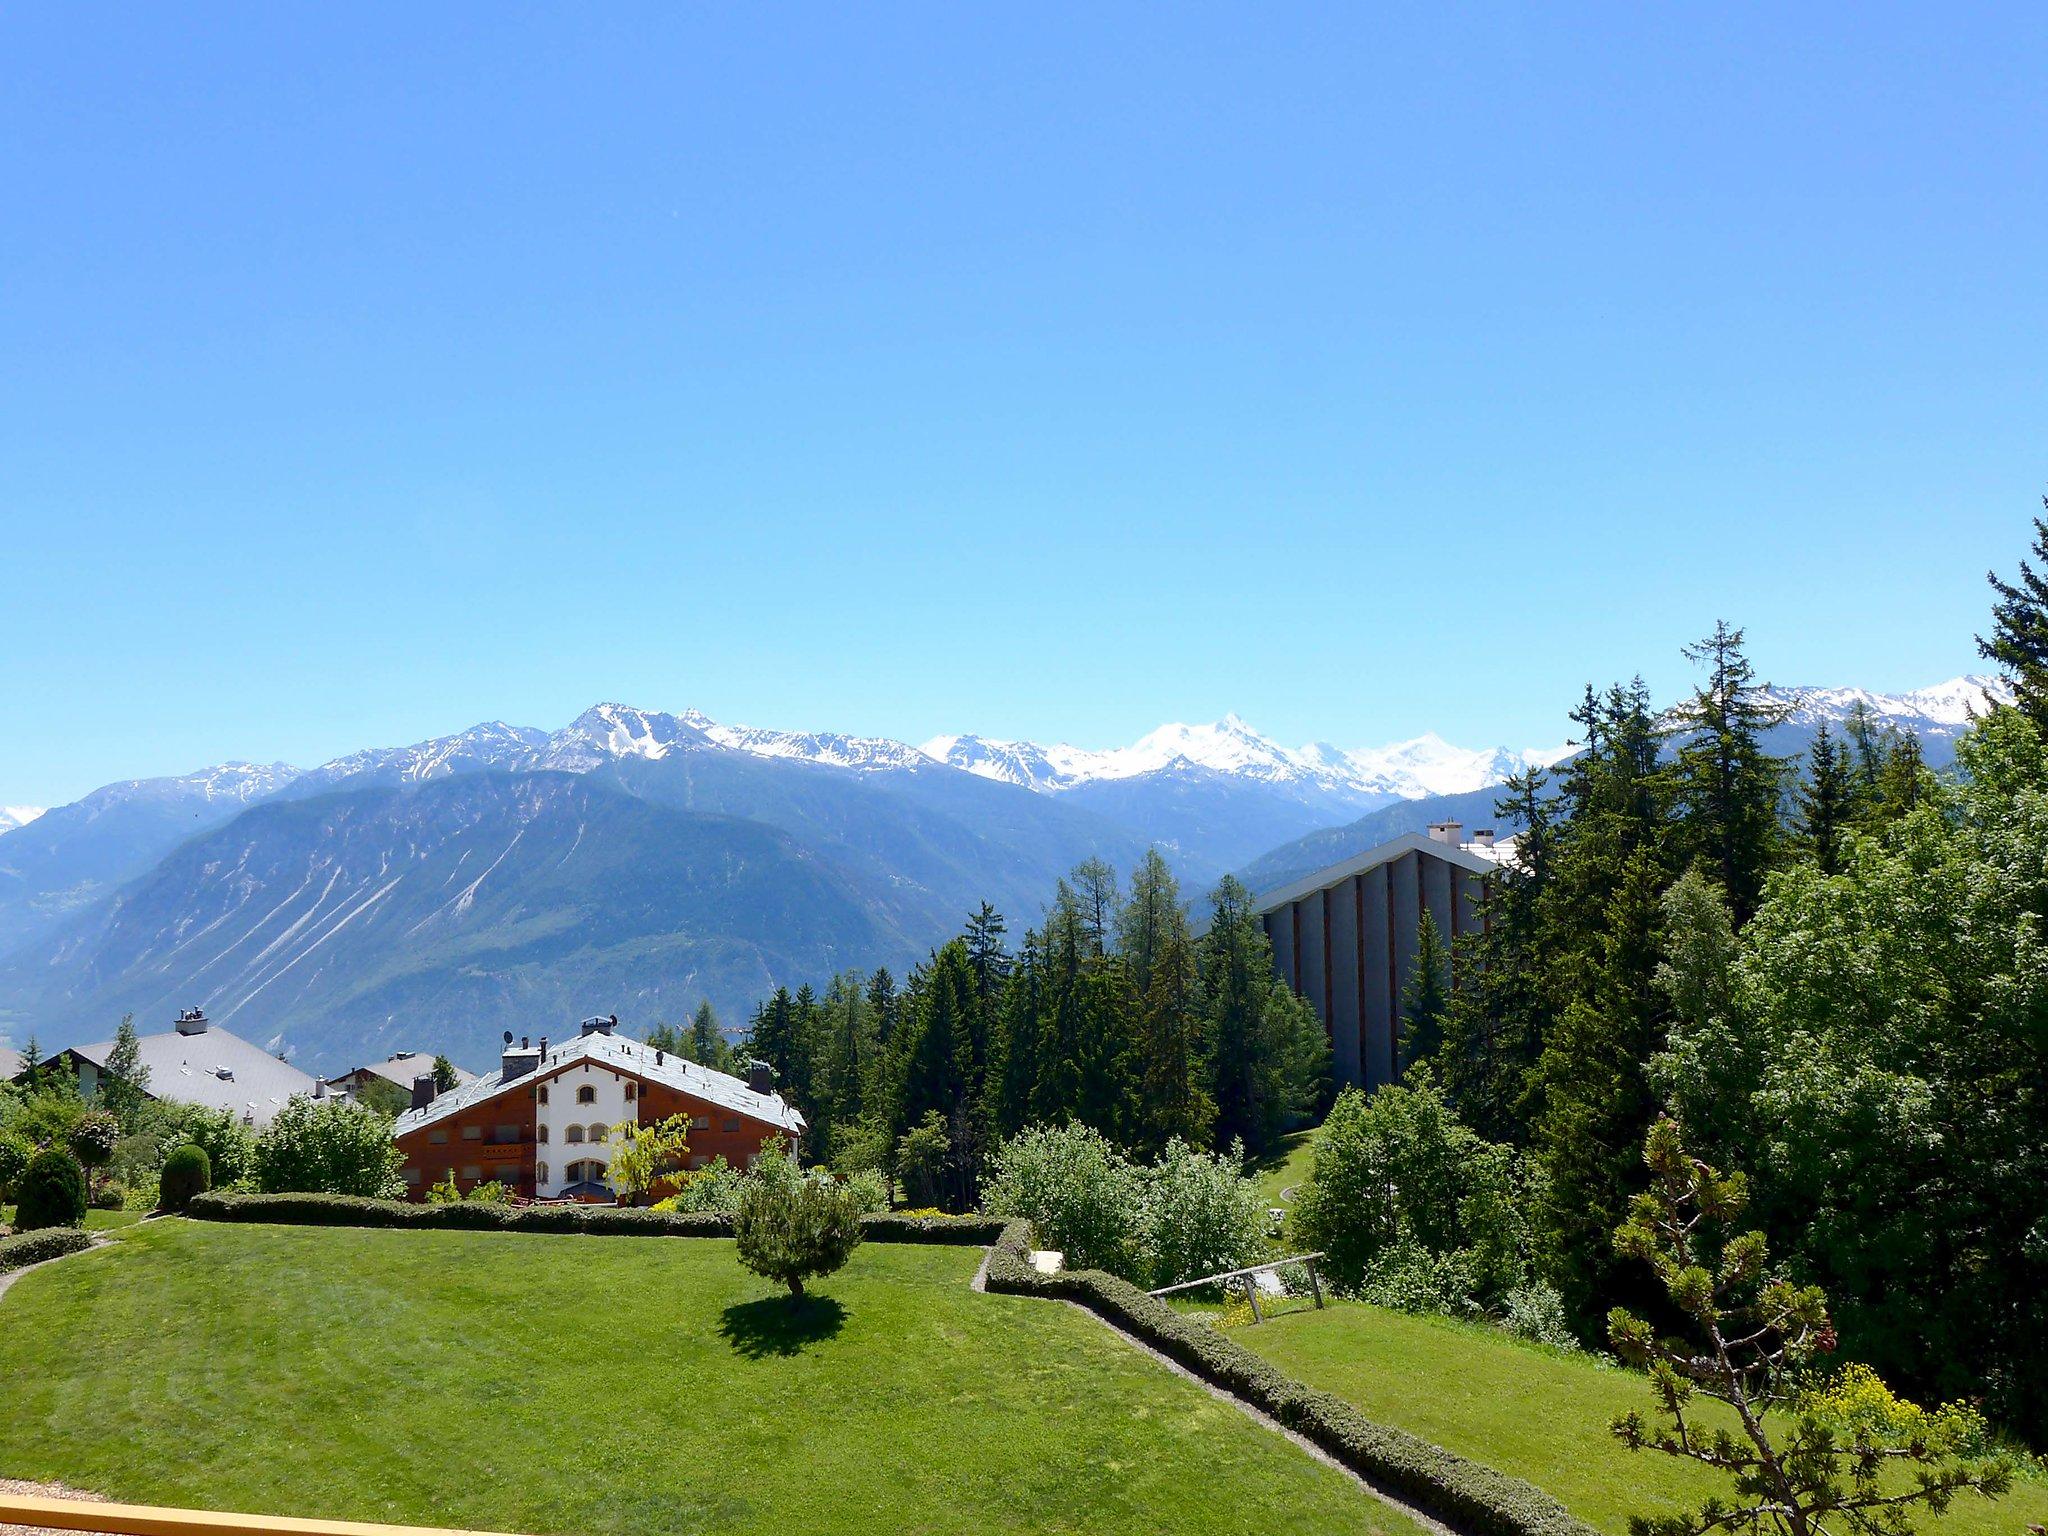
(543, 1045)
(1446, 832)
(760, 1077)
(192, 1021)
(518, 1060)
(599, 1025)
(422, 1090)
(1483, 838)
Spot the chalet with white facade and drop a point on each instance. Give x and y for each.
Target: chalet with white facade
(540, 1123)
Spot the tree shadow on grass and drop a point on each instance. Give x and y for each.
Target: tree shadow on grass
(780, 1325)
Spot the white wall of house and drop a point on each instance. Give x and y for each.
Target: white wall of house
(565, 1108)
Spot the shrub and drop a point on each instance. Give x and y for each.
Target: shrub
(490, 1192)
(15, 1152)
(869, 1190)
(1077, 1190)
(26, 1248)
(1200, 1215)
(330, 1147)
(230, 1145)
(52, 1192)
(1535, 1311)
(1411, 1206)
(594, 1220)
(108, 1197)
(94, 1137)
(792, 1232)
(1463, 1494)
(447, 1192)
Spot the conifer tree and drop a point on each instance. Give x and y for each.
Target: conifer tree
(1426, 997)
(1268, 1058)
(446, 1079)
(1727, 787)
(125, 1082)
(1498, 1016)
(1171, 1099)
(1825, 809)
(706, 1044)
(1150, 918)
(2019, 628)
(31, 1074)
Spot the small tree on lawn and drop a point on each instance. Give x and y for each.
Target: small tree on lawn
(792, 1230)
(650, 1160)
(1807, 1458)
(92, 1142)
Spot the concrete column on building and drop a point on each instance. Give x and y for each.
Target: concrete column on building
(1376, 1051)
(1345, 1017)
(1308, 914)
(1404, 881)
(1280, 931)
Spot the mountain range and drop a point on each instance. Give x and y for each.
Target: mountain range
(430, 895)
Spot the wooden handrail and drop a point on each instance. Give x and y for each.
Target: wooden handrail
(1236, 1274)
(1251, 1291)
(155, 1520)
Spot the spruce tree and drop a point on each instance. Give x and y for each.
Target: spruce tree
(1499, 1013)
(1825, 808)
(1426, 997)
(706, 1043)
(124, 1084)
(1727, 788)
(1268, 1058)
(1171, 1099)
(2018, 644)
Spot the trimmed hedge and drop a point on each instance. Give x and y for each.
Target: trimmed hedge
(1464, 1494)
(26, 1248)
(186, 1174)
(591, 1220)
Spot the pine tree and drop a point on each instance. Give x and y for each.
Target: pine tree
(1268, 1058)
(31, 1074)
(124, 1083)
(773, 1038)
(1171, 1099)
(1150, 918)
(1825, 808)
(937, 1058)
(1499, 1015)
(706, 1042)
(2019, 628)
(666, 1037)
(1727, 787)
(446, 1079)
(1095, 893)
(1426, 997)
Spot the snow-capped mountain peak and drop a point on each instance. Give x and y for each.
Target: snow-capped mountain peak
(12, 816)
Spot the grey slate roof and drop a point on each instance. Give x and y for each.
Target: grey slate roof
(404, 1067)
(187, 1068)
(719, 1088)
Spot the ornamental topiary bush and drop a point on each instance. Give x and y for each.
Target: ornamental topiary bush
(187, 1173)
(793, 1231)
(52, 1192)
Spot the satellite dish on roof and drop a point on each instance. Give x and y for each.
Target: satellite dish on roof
(508, 1037)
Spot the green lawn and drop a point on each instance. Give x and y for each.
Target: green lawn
(95, 1221)
(1288, 1165)
(1540, 1414)
(518, 1382)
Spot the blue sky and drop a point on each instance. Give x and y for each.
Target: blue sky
(369, 371)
